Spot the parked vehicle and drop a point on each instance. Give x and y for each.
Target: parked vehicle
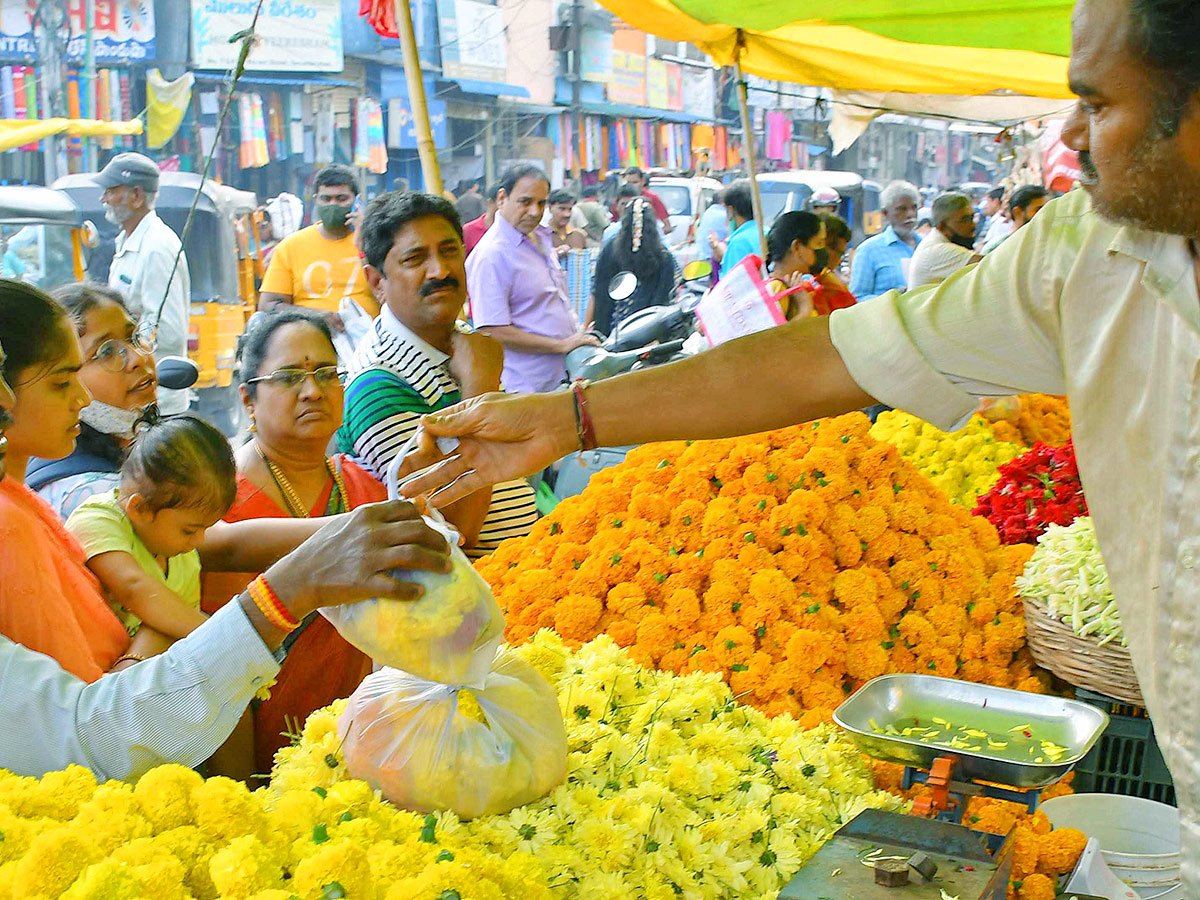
(685, 198)
(44, 237)
(786, 191)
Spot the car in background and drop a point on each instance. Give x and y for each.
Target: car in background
(685, 199)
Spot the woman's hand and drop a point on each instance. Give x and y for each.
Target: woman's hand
(351, 559)
(501, 437)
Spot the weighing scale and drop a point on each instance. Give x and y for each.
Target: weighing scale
(930, 855)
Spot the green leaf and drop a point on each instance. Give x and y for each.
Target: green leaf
(320, 792)
(445, 856)
(333, 891)
(739, 667)
(809, 771)
(331, 760)
(320, 834)
(429, 830)
(346, 816)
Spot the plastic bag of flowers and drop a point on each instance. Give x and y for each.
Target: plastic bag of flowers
(477, 751)
(449, 635)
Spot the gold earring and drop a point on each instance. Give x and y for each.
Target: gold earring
(253, 425)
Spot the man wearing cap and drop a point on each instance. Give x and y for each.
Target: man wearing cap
(156, 289)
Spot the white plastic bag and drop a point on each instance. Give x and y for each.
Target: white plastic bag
(411, 739)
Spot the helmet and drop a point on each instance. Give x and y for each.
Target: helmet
(825, 197)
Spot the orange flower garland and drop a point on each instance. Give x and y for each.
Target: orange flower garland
(1042, 417)
(797, 563)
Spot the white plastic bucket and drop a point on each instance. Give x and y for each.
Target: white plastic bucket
(1139, 839)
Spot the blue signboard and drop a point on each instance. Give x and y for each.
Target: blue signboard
(402, 132)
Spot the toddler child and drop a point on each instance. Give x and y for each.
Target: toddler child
(141, 540)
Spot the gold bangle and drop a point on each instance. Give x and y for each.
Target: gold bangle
(128, 657)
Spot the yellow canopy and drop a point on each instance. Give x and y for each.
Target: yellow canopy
(841, 56)
(17, 132)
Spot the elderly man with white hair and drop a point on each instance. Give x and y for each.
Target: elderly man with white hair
(951, 244)
(881, 262)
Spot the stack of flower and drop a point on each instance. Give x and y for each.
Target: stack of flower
(963, 464)
(1035, 490)
(673, 789)
(798, 564)
(1066, 575)
(1040, 418)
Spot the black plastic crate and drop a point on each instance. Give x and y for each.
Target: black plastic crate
(1126, 760)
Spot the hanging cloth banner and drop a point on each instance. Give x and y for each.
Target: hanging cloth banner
(252, 149)
(31, 100)
(126, 105)
(166, 104)
(377, 161)
(104, 104)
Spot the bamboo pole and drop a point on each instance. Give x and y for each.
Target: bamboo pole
(430, 169)
(748, 146)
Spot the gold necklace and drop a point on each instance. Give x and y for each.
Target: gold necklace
(290, 497)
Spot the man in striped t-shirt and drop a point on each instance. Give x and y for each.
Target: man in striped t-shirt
(418, 359)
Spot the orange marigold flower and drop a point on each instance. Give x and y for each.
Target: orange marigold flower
(656, 636)
(682, 607)
(1060, 849)
(733, 645)
(1037, 887)
(575, 617)
(865, 660)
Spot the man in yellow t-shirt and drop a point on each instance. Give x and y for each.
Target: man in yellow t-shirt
(318, 266)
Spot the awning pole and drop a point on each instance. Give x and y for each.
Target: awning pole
(748, 145)
(430, 170)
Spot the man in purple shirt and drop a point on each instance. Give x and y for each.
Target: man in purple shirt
(518, 290)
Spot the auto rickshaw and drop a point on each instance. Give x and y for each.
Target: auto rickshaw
(786, 191)
(221, 249)
(44, 238)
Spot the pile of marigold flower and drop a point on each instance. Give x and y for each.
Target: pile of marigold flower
(964, 463)
(673, 789)
(798, 564)
(1039, 419)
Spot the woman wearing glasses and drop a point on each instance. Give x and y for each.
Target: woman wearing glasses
(292, 391)
(118, 372)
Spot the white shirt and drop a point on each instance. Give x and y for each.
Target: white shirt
(139, 272)
(177, 707)
(999, 227)
(936, 259)
(1110, 316)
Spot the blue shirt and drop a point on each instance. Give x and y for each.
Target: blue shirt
(741, 244)
(877, 265)
(714, 220)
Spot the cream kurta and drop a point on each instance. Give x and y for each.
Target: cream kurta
(1108, 315)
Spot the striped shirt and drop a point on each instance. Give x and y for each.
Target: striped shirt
(395, 379)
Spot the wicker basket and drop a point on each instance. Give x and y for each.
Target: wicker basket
(1081, 661)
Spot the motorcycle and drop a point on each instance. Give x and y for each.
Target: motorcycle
(649, 336)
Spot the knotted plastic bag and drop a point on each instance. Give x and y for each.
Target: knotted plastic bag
(449, 635)
(422, 744)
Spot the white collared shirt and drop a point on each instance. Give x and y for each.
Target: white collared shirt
(936, 259)
(1110, 316)
(395, 327)
(139, 271)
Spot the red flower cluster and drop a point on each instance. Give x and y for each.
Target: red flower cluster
(1037, 489)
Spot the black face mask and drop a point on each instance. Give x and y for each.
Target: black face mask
(966, 242)
(821, 263)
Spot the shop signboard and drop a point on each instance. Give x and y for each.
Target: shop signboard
(123, 29)
(675, 87)
(472, 37)
(293, 35)
(595, 55)
(656, 84)
(628, 82)
(402, 129)
(698, 93)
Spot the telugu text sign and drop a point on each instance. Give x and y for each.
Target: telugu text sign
(123, 30)
(293, 35)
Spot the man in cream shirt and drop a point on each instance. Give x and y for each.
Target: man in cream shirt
(951, 244)
(1096, 298)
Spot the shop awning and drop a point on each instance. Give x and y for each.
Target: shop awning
(279, 80)
(637, 112)
(967, 47)
(491, 88)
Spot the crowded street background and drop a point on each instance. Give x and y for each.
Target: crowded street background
(471, 450)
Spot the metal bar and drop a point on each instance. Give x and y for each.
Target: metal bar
(748, 145)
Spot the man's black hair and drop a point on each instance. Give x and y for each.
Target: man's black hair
(388, 213)
(1166, 35)
(560, 196)
(1024, 195)
(336, 176)
(509, 179)
(492, 191)
(738, 199)
(996, 193)
(628, 190)
(591, 190)
(635, 170)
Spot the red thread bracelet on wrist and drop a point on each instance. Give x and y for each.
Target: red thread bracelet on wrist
(584, 427)
(269, 604)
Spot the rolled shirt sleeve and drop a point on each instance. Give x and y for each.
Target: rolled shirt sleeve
(990, 330)
(177, 707)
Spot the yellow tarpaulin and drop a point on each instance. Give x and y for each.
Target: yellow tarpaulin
(16, 132)
(841, 56)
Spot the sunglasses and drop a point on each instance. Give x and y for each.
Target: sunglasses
(325, 377)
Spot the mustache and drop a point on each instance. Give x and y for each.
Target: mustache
(1087, 166)
(430, 286)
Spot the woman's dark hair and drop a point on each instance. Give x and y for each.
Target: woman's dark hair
(1164, 35)
(737, 198)
(82, 297)
(388, 213)
(789, 228)
(30, 329)
(509, 179)
(182, 461)
(648, 258)
(836, 228)
(252, 349)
